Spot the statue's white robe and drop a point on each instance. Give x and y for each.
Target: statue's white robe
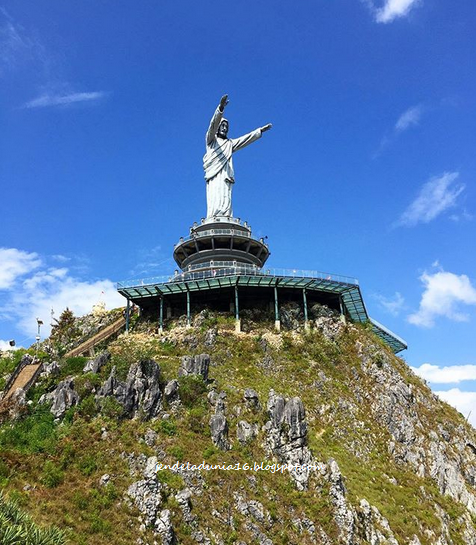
(218, 166)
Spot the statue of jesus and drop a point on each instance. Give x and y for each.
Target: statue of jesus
(218, 161)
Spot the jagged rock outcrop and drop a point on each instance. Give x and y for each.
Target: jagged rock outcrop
(443, 456)
(286, 435)
(51, 369)
(251, 399)
(219, 431)
(195, 365)
(344, 514)
(246, 432)
(375, 528)
(95, 365)
(62, 398)
(139, 393)
(171, 391)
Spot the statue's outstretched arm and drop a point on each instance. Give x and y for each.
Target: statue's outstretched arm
(216, 119)
(246, 139)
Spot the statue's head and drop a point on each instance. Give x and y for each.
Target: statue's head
(223, 128)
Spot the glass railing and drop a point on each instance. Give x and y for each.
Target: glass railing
(217, 232)
(226, 268)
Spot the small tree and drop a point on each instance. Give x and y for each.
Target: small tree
(65, 331)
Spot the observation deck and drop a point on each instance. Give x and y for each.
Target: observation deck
(225, 281)
(220, 240)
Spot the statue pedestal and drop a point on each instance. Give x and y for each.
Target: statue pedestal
(218, 243)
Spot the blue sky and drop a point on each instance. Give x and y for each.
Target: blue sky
(368, 171)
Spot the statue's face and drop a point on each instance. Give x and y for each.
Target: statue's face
(223, 129)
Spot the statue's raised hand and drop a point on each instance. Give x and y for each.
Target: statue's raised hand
(223, 102)
(266, 127)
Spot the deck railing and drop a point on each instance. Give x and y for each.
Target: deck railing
(216, 271)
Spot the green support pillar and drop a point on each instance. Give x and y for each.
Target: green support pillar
(277, 322)
(304, 300)
(161, 315)
(128, 308)
(237, 312)
(342, 313)
(189, 318)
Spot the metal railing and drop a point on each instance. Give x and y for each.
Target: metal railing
(246, 270)
(388, 332)
(215, 232)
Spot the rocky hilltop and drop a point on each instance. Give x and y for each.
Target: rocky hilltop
(205, 435)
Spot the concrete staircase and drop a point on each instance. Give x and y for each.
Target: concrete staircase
(102, 335)
(23, 377)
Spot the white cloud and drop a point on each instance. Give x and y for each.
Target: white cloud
(436, 196)
(14, 264)
(409, 118)
(449, 374)
(392, 305)
(444, 292)
(5, 345)
(56, 289)
(47, 99)
(464, 402)
(43, 288)
(392, 9)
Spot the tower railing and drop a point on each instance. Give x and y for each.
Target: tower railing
(219, 269)
(218, 232)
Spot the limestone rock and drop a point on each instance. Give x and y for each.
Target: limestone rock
(375, 527)
(140, 393)
(246, 432)
(210, 337)
(344, 514)
(251, 399)
(95, 365)
(195, 365)
(219, 431)
(286, 436)
(50, 370)
(171, 391)
(62, 398)
(146, 493)
(164, 528)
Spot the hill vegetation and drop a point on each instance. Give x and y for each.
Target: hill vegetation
(390, 463)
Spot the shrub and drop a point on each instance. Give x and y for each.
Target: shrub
(52, 475)
(35, 433)
(196, 419)
(168, 427)
(87, 465)
(73, 366)
(177, 453)
(111, 408)
(191, 390)
(88, 407)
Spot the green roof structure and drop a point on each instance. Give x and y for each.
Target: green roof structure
(152, 292)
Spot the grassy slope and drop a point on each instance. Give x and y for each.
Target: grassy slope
(63, 463)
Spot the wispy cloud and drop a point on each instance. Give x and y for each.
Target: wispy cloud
(392, 305)
(449, 374)
(409, 118)
(19, 48)
(47, 100)
(39, 288)
(393, 9)
(435, 197)
(465, 402)
(443, 295)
